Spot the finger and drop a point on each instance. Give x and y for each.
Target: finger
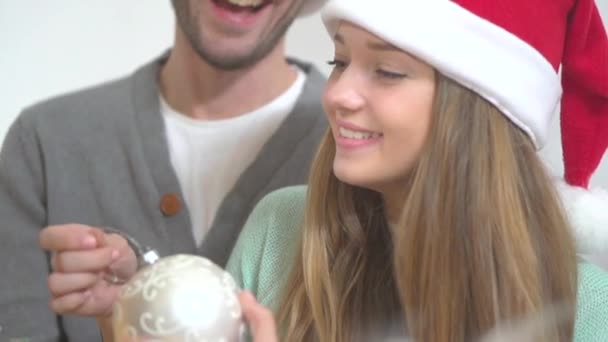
(54, 266)
(99, 235)
(101, 300)
(61, 284)
(69, 303)
(117, 242)
(67, 237)
(126, 265)
(94, 260)
(261, 320)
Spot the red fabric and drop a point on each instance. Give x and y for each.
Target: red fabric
(540, 23)
(584, 114)
(570, 33)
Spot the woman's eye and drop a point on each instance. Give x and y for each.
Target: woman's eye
(390, 74)
(337, 64)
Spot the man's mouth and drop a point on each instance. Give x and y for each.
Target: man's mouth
(242, 5)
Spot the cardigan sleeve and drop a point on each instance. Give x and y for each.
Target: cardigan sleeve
(263, 255)
(24, 296)
(592, 304)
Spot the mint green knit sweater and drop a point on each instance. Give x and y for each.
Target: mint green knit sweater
(263, 257)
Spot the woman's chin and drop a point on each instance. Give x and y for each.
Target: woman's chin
(353, 178)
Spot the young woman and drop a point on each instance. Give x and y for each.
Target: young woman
(428, 213)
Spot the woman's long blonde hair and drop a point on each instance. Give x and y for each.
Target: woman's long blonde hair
(482, 240)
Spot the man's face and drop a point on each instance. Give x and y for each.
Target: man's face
(232, 34)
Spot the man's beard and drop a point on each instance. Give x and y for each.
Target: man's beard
(189, 24)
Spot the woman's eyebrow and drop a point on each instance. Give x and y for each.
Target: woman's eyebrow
(382, 46)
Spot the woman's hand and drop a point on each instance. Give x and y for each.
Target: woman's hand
(260, 319)
(83, 257)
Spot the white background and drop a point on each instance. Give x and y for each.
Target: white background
(50, 47)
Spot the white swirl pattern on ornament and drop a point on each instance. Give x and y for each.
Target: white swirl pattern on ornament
(181, 298)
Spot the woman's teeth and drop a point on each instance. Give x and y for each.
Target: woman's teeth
(350, 134)
(246, 3)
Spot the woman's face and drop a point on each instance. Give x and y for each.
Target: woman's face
(379, 102)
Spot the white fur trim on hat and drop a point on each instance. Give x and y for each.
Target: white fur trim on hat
(587, 212)
(482, 56)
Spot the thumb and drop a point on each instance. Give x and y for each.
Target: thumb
(260, 319)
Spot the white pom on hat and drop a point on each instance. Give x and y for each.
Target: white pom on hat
(587, 212)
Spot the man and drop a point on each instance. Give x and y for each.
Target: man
(175, 155)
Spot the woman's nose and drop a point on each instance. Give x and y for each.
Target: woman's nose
(345, 92)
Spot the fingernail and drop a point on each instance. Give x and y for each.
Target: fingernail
(115, 255)
(89, 241)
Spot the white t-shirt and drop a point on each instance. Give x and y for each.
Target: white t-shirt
(210, 156)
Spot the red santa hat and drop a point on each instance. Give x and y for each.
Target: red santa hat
(509, 52)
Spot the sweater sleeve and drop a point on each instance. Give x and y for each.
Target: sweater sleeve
(24, 297)
(592, 304)
(263, 255)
